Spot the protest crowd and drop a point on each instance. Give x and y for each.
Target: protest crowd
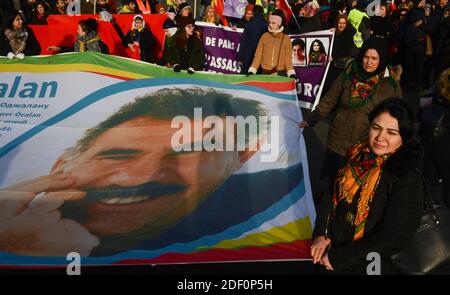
(409, 38)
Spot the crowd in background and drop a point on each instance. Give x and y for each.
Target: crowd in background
(415, 31)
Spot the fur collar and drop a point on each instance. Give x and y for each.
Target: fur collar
(273, 32)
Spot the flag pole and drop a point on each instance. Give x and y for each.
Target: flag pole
(293, 15)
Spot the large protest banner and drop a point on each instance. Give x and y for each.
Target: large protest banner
(222, 46)
(127, 163)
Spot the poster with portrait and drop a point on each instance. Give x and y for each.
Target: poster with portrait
(298, 52)
(312, 69)
(137, 164)
(317, 51)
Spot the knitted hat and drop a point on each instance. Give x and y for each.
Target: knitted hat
(183, 5)
(185, 21)
(277, 17)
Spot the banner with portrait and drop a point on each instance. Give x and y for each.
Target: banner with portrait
(122, 162)
(311, 54)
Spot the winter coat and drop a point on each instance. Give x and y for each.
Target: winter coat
(250, 38)
(311, 24)
(343, 43)
(435, 134)
(394, 216)
(273, 47)
(192, 56)
(32, 47)
(146, 43)
(350, 126)
(382, 27)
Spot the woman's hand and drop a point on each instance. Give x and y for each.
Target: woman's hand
(303, 124)
(131, 46)
(326, 262)
(54, 48)
(318, 247)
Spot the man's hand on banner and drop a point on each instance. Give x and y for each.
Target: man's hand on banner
(31, 224)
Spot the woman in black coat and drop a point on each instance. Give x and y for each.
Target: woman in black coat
(342, 49)
(435, 135)
(375, 203)
(17, 39)
(187, 52)
(381, 24)
(141, 38)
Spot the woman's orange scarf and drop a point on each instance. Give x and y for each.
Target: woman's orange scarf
(360, 176)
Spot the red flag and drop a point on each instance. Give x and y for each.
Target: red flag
(218, 6)
(145, 9)
(284, 6)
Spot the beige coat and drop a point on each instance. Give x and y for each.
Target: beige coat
(266, 54)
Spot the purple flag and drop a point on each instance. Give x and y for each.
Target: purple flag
(234, 8)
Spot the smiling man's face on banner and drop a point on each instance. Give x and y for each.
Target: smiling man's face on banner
(133, 178)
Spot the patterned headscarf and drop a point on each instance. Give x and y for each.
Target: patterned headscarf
(358, 178)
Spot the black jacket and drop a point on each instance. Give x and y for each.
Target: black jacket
(192, 56)
(382, 27)
(311, 24)
(146, 41)
(32, 47)
(394, 217)
(249, 41)
(435, 132)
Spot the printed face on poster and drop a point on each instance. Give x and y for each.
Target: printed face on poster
(317, 51)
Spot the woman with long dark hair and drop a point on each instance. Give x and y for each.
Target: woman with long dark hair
(374, 203)
(187, 52)
(17, 39)
(317, 54)
(342, 49)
